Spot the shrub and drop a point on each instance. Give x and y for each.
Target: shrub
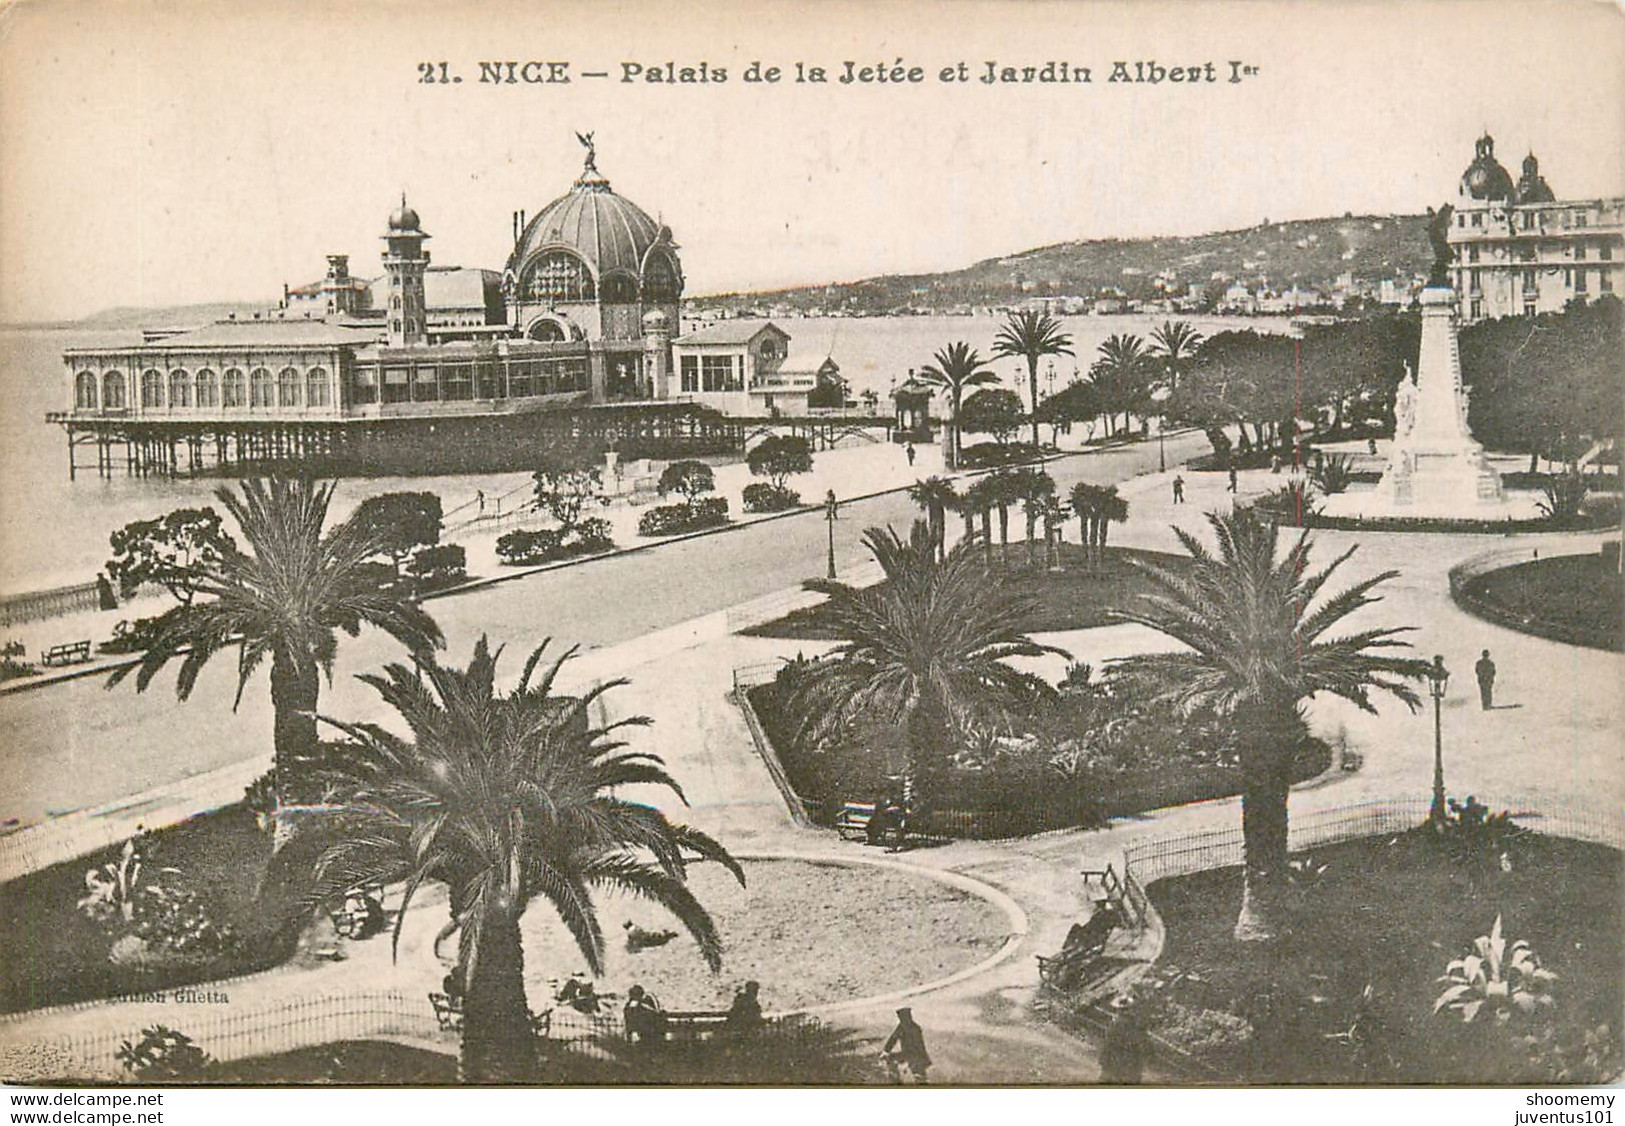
(1334, 474)
(163, 1053)
(131, 637)
(762, 497)
(1503, 978)
(675, 519)
(523, 547)
(987, 455)
(438, 566)
(779, 456)
(1564, 495)
(689, 479)
(593, 535)
(11, 668)
(177, 920)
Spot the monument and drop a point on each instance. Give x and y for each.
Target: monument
(1435, 469)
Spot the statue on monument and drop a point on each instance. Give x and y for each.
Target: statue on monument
(1439, 236)
(1405, 397)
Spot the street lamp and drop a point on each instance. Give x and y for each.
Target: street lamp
(1438, 678)
(830, 505)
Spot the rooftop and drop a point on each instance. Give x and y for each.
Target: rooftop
(730, 332)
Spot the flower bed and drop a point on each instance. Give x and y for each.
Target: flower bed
(1386, 914)
(57, 953)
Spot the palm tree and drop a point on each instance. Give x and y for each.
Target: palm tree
(1256, 650)
(286, 598)
(958, 368)
(1175, 343)
(981, 498)
(1036, 491)
(924, 650)
(1032, 335)
(1119, 374)
(504, 799)
(1003, 490)
(1096, 506)
(936, 495)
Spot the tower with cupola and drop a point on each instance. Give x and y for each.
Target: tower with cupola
(405, 261)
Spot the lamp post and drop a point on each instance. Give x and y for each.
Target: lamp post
(830, 505)
(1162, 453)
(1438, 678)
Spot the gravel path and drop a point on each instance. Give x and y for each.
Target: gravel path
(810, 933)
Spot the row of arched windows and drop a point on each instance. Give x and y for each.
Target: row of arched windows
(207, 390)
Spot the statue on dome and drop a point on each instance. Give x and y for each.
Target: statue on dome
(592, 150)
(1439, 236)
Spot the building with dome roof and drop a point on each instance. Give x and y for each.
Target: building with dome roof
(428, 368)
(1520, 251)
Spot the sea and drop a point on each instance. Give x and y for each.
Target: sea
(54, 532)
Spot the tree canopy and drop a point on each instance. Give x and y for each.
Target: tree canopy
(778, 456)
(401, 523)
(995, 411)
(175, 551)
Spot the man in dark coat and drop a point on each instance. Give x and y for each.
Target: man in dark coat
(908, 1040)
(1486, 680)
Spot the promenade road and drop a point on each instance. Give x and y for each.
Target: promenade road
(75, 744)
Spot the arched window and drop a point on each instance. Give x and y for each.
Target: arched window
(661, 283)
(208, 389)
(259, 388)
(84, 391)
(559, 276)
(620, 289)
(546, 330)
(318, 392)
(112, 391)
(231, 389)
(152, 389)
(287, 387)
(180, 388)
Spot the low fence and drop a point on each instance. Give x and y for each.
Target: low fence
(744, 678)
(1161, 858)
(39, 604)
(230, 1033)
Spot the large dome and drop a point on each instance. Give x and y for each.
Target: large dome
(624, 249)
(1485, 178)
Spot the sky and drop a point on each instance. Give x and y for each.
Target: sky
(185, 152)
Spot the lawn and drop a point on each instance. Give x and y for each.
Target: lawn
(54, 954)
(1576, 594)
(1079, 596)
(1388, 913)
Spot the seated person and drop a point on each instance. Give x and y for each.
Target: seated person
(1092, 935)
(454, 985)
(887, 818)
(366, 913)
(746, 1011)
(579, 995)
(645, 1021)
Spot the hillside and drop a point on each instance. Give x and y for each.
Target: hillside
(1311, 253)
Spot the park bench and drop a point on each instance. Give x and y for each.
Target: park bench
(690, 1025)
(854, 818)
(1084, 943)
(447, 1012)
(74, 653)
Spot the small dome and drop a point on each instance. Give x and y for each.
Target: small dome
(403, 218)
(1485, 179)
(1532, 186)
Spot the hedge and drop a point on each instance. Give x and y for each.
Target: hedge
(675, 519)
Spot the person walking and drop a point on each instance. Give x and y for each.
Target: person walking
(906, 1046)
(1485, 669)
(1232, 486)
(480, 495)
(1179, 489)
(909, 450)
